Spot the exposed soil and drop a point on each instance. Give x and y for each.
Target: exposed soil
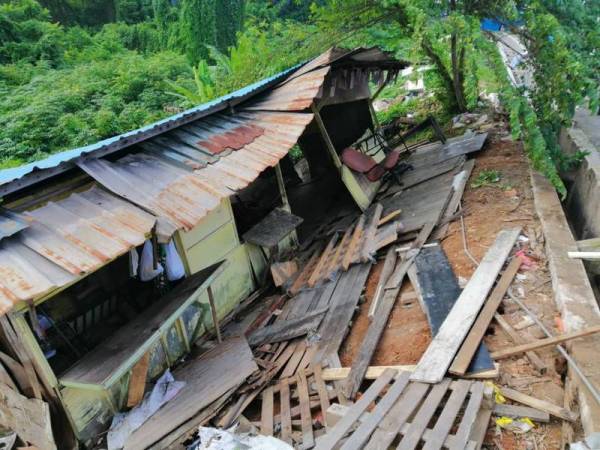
(488, 209)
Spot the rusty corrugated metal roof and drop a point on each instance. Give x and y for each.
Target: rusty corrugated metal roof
(11, 223)
(180, 189)
(67, 239)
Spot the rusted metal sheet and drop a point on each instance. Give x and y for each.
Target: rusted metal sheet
(67, 239)
(11, 223)
(296, 93)
(181, 194)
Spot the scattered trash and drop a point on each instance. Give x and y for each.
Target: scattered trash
(124, 424)
(519, 426)
(215, 439)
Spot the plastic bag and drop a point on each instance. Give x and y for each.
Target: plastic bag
(147, 271)
(175, 269)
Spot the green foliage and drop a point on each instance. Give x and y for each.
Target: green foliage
(486, 178)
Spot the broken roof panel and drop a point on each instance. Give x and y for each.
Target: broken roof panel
(67, 239)
(180, 195)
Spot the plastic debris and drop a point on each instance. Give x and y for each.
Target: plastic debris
(124, 424)
(520, 426)
(215, 439)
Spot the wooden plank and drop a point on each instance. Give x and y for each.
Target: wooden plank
(473, 340)
(29, 418)
(411, 439)
(341, 373)
(480, 428)
(363, 432)
(207, 378)
(137, 381)
(354, 243)
(287, 329)
(437, 358)
(266, 416)
(386, 271)
(541, 343)
(303, 275)
(439, 289)
(395, 280)
(459, 184)
(340, 251)
(331, 439)
(308, 438)
(322, 390)
(28, 383)
(286, 416)
(516, 411)
(6, 379)
(386, 236)
(318, 273)
(390, 216)
(536, 403)
(375, 330)
(469, 417)
(342, 306)
(446, 419)
(213, 313)
(535, 360)
(370, 230)
(396, 418)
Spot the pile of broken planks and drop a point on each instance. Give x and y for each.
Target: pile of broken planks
(279, 370)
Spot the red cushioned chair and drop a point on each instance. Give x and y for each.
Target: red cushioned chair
(361, 163)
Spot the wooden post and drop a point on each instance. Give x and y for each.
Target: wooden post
(281, 184)
(285, 201)
(326, 138)
(213, 311)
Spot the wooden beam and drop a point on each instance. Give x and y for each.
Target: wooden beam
(341, 373)
(544, 343)
(535, 360)
(516, 411)
(439, 355)
(386, 271)
(325, 135)
(471, 343)
(536, 403)
(213, 312)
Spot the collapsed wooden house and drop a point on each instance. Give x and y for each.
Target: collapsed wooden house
(272, 203)
(202, 179)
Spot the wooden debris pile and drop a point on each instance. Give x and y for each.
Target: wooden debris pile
(291, 384)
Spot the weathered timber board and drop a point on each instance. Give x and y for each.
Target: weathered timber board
(440, 353)
(207, 378)
(273, 228)
(440, 290)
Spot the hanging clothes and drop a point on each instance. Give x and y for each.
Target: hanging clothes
(146, 270)
(174, 264)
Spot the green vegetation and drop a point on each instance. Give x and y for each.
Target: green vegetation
(76, 71)
(486, 178)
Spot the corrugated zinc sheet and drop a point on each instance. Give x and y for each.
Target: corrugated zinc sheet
(67, 239)
(11, 223)
(182, 185)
